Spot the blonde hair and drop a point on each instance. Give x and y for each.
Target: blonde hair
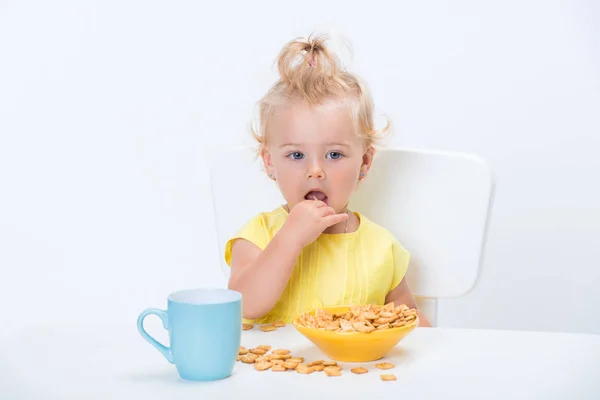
(310, 71)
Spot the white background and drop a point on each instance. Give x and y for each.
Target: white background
(111, 110)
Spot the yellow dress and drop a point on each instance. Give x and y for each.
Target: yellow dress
(359, 267)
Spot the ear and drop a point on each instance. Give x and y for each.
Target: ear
(265, 154)
(367, 160)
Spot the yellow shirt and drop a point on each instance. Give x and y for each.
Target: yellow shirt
(359, 267)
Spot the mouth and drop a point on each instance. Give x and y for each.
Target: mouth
(316, 194)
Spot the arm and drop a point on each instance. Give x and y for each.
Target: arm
(401, 294)
(261, 276)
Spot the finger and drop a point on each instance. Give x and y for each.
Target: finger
(318, 202)
(325, 211)
(335, 219)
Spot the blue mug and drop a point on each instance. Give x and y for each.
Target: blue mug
(205, 327)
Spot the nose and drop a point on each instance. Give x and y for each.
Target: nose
(316, 172)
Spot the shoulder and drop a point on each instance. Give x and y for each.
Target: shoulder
(273, 219)
(373, 229)
(265, 223)
(381, 237)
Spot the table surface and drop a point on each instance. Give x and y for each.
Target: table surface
(114, 362)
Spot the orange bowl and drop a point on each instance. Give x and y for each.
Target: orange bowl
(354, 346)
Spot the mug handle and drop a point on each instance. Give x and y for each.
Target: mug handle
(166, 351)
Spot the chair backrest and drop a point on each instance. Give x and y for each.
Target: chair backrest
(437, 204)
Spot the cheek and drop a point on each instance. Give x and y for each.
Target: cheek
(285, 169)
(288, 176)
(346, 178)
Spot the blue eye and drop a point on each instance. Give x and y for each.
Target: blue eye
(296, 155)
(334, 155)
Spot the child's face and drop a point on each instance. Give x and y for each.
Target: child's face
(313, 151)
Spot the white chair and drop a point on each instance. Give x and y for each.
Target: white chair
(437, 204)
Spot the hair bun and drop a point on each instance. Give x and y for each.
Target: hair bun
(309, 67)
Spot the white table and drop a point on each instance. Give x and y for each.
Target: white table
(113, 362)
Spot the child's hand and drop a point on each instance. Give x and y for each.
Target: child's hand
(308, 219)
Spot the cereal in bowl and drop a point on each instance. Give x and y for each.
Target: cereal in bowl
(365, 319)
